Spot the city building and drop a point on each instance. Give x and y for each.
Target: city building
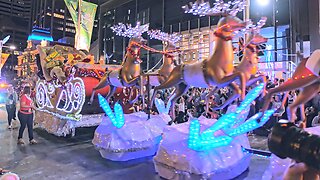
(54, 15)
(287, 24)
(15, 16)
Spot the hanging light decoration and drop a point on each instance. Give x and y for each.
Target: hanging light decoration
(129, 31)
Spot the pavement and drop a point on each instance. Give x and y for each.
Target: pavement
(75, 158)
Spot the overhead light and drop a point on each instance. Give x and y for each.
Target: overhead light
(12, 47)
(263, 2)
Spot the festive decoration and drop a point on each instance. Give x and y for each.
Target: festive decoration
(62, 125)
(200, 74)
(207, 140)
(129, 31)
(137, 138)
(171, 38)
(82, 14)
(65, 101)
(251, 95)
(117, 119)
(202, 8)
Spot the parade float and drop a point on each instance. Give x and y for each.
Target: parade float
(206, 148)
(67, 76)
(196, 148)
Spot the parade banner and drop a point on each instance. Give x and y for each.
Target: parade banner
(83, 23)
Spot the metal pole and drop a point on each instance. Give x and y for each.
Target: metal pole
(275, 31)
(148, 90)
(78, 25)
(246, 16)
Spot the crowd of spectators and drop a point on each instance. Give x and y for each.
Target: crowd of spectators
(193, 104)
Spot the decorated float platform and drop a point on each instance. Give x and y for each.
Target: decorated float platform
(63, 107)
(124, 137)
(208, 148)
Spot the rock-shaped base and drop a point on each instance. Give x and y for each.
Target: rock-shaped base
(138, 137)
(174, 160)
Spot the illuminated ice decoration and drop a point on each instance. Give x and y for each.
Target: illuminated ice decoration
(202, 8)
(162, 36)
(201, 142)
(117, 119)
(129, 31)
(250, 124)
(161, 107)
(228, 120)
(229, 123)
(251, 96)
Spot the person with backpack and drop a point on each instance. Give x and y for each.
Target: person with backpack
(11, 105)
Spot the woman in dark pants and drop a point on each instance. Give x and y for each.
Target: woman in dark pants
(25, 115)
(11, 105)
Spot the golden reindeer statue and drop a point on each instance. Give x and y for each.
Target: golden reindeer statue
(160, 75)
(216, 71)
(249, 62)
(305, 77)
(129, 73)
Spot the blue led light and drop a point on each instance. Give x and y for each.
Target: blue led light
(231, 123)
(223, 122)
(250, 124)
(206, 140)
(39, 38)
(117, 119)
(251, 96)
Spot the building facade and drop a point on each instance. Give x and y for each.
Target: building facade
(168, 16)
(15, 19)
(54, 14)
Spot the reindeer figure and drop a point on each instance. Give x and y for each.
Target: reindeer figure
(249, 63)
(129, 73)
(305, 77)
(161, 75)
(218, 69)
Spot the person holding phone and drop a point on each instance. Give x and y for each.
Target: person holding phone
(25, 115)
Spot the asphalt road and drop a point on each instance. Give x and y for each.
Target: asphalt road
(75, 158)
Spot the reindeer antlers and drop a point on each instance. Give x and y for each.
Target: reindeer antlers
(159, 35)
(256, 28)
(129, 31)
(202, 8)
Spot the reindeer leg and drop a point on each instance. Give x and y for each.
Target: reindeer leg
(111, 92)
(136, 98)
(305, 95)
(102, 84)
(174, 79)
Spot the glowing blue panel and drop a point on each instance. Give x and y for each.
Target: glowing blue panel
(251, 96)
(116, 119)
(39, 38)
(251, 124)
